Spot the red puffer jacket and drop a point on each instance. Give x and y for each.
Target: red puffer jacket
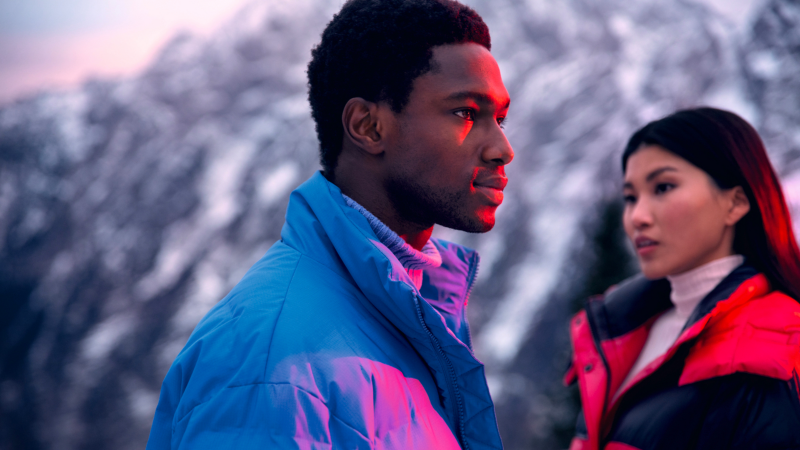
(730, 381)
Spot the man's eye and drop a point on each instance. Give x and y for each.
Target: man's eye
(501, 121)
(664, 187)
(466, 114)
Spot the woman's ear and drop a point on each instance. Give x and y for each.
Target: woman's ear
(740, 205)
(362, 125)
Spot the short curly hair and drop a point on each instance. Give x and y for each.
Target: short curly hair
(375, 49)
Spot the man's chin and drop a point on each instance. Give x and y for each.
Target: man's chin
(479, 222)
(485, 226)
(456, 210)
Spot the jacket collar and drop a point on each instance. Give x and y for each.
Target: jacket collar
(321, 226)
(622, 309)
(721, 292)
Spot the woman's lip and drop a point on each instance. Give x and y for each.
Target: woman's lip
(645, 245)
(646, 249)
(494, 195)
(642, 241)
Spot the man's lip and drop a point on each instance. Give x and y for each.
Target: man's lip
(493, 182)
(494, 195)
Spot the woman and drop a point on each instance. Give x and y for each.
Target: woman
(703, 349)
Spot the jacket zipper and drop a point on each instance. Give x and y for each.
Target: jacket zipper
(452, 386)
(596, 339)
(470, 283)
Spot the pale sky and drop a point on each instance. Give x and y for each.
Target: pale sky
(56, 44)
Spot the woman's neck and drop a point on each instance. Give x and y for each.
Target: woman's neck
(690, 287)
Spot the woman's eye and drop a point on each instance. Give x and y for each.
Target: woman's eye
(466, 114)
(629, 199)
(663, 187)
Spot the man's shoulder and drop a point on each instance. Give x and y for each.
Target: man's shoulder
(284, 275)
(261, 289)
(285, 303)
(243, 321)
(284, 292)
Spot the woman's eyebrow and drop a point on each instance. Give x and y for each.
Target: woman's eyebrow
(659, 171)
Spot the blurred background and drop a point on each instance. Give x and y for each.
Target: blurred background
(147, 150)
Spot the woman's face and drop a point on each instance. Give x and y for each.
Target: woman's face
(675, 215)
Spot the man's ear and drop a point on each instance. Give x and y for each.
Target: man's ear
(362, 125)
(740, 205)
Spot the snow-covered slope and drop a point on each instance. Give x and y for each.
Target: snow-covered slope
(129, 207)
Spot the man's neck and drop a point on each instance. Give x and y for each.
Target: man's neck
(419, 239)
(371, 194)
(415, 235)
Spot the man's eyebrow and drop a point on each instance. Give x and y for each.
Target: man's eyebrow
(659, 171)
(477, 96)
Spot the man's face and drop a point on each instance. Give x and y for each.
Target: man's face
(446, 156)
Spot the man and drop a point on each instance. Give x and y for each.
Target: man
(351, 331)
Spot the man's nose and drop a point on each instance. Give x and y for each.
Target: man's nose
(498, 150)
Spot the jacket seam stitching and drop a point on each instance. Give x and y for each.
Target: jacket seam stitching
(278, 318)
(271, 340)
(306, 391)
(188, 413)
(326, 266)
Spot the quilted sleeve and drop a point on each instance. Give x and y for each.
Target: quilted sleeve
(263, 416)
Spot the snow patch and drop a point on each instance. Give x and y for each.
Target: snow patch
(209, 286)
(220, 206)
(765, 64)
(739, 13)
(278, 183)
(732, 96)
(105, 336)
(221, 184)
(505, 332)
(143, 403)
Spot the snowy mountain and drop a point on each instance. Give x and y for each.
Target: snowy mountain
(129, 207)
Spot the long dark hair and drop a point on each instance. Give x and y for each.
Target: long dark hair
(731, 152)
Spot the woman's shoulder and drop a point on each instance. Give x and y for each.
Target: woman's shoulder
(779, 299)
(773, 309)
(759, 336)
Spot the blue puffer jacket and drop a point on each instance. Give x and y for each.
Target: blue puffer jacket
(326, 343)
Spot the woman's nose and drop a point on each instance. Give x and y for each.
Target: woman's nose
(641, 216)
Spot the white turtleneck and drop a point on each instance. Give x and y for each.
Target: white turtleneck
(687, 290)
